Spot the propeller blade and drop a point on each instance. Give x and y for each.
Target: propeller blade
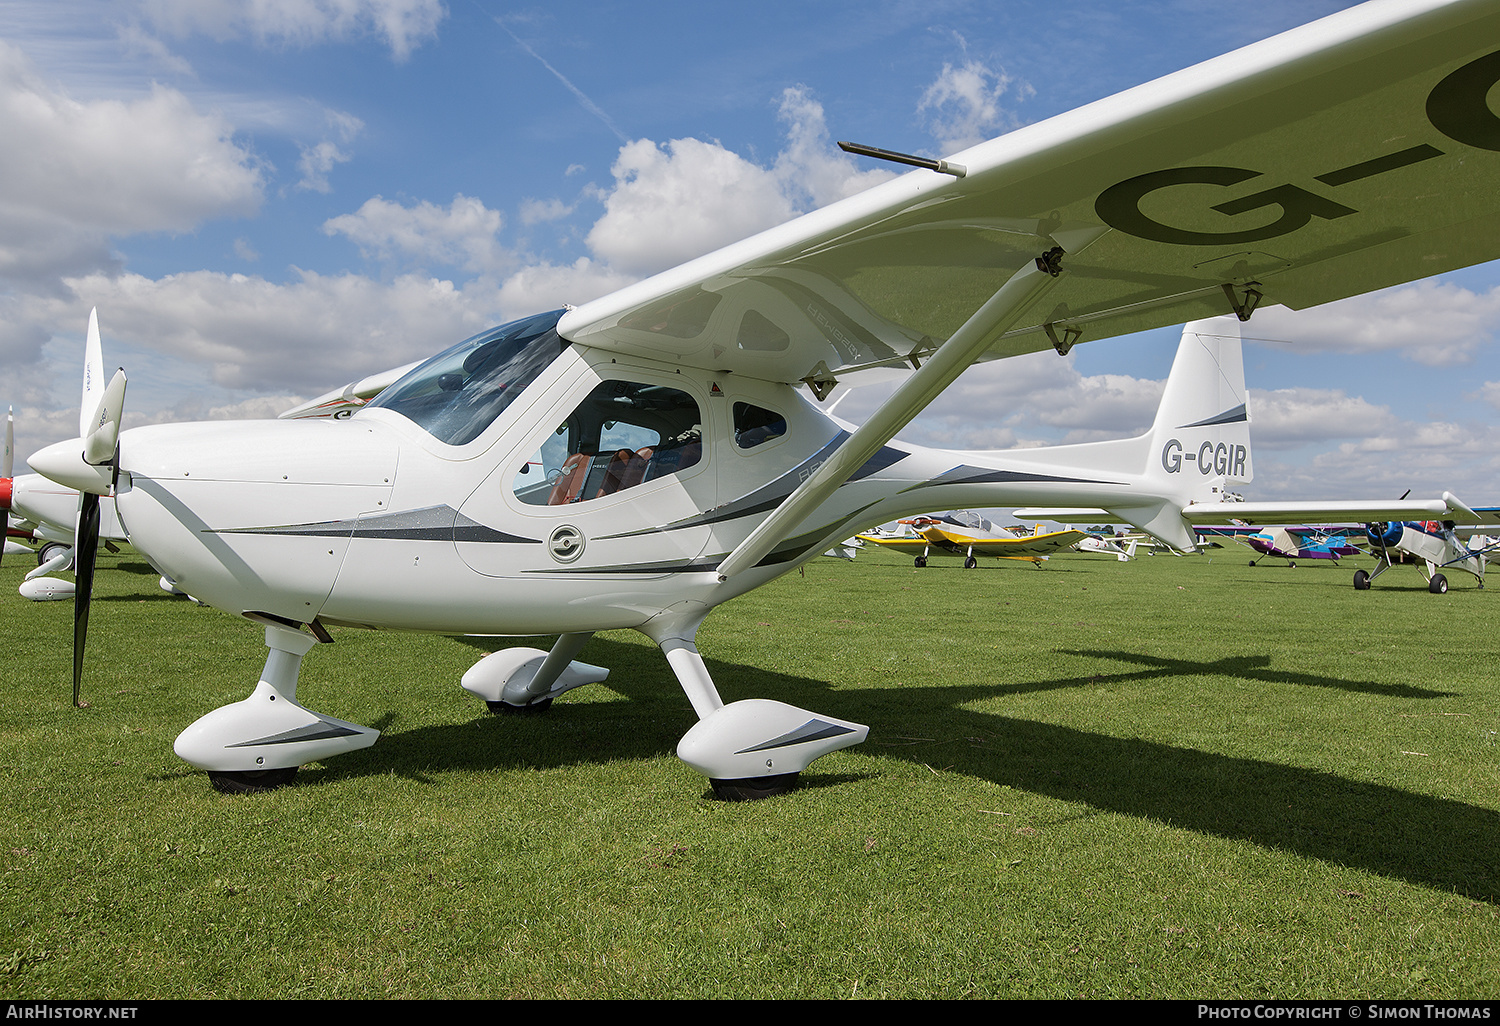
(99, 440)
(85, 548)
(99, 429)
(93, 378)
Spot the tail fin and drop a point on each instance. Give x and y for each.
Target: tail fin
(1202, 431)
(1199, 441)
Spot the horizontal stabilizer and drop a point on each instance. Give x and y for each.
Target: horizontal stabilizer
(1311, 511)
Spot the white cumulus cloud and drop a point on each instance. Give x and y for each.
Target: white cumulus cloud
(465, 234)
(963, 104)
(73, 174)
(1435, 323)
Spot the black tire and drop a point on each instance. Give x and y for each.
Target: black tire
(1438, 585)
(751, 789)
(970, 563)
(47, 551)
(919, 562)
(1361, 580)
(251, 781)
(506, 709)
(1252, 562)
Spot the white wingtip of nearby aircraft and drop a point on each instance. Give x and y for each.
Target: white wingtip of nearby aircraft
(1454, 504)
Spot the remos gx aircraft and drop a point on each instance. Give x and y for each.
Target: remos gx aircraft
(637, 460)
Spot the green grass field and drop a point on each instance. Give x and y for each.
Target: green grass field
(1173, 778)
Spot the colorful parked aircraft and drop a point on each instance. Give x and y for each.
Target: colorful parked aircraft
(1289, 543)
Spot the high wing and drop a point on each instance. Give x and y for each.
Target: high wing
(1347, 155)
(1261, 514)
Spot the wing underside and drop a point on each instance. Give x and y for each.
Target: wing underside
(1350, 154)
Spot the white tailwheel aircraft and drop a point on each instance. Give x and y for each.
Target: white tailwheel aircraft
(642, 458)
(1434, 544)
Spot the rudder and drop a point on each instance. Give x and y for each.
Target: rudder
(1202, 428)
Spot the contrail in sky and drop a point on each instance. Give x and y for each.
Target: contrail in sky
(587, 104)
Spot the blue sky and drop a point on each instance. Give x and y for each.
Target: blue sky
(266, 200)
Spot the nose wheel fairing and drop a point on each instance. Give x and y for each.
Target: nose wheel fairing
(270, 730)
(757, 738)
(753, 748)
(519, 678)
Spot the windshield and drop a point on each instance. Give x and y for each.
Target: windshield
(458, 393)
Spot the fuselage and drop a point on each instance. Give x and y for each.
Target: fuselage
(604, 492)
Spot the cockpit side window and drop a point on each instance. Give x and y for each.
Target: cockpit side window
(756, 425)
(623, 434)
(458, 393)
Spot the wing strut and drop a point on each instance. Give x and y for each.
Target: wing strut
(950, 360)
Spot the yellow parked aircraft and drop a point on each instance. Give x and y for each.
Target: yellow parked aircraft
(965, 533)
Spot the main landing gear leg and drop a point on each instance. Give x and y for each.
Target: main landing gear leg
(526, 680)
(257, 744)
(753, 748)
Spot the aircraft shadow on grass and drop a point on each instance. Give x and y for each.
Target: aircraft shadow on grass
(1426, 840)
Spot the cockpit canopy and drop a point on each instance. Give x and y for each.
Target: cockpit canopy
(458, 393)
(967, 518)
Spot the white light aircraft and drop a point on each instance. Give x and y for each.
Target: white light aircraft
(1434, 544)
(640, 459)
(1123, 549)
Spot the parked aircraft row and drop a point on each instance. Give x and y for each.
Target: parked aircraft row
(638, 460)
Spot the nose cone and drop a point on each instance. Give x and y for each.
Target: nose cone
(63, 462)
